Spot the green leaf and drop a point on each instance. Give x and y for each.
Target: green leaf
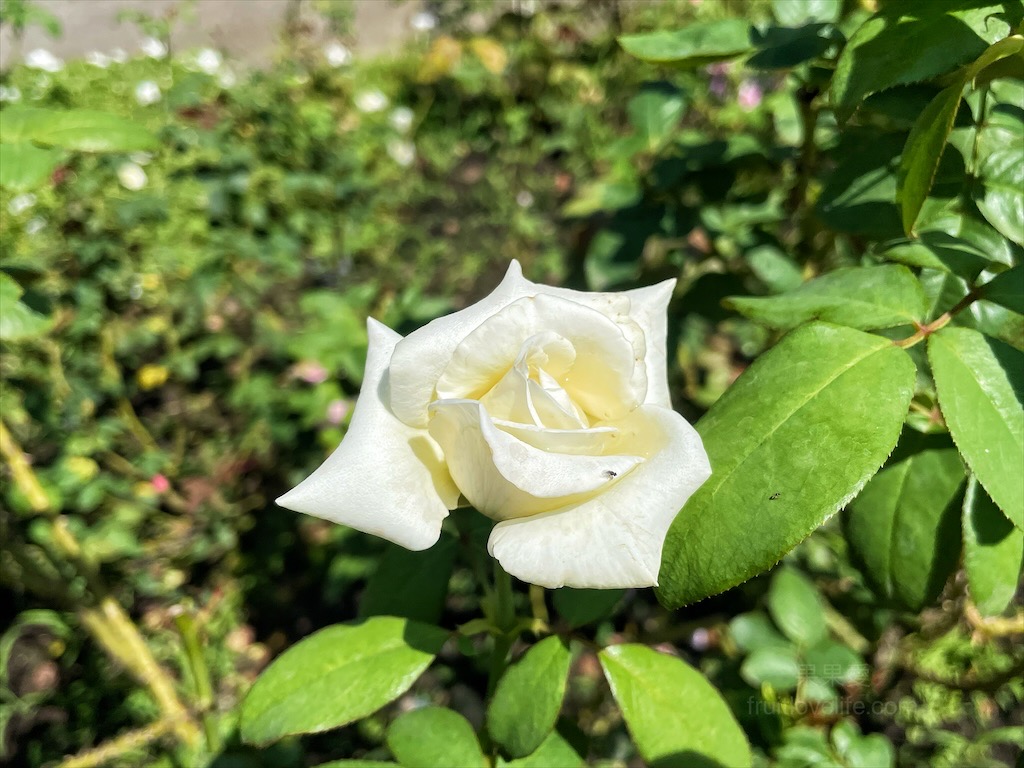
(923, 151)
(776, 270)
(777, 666)
(528, 698)
(859, 194)
(834, 662)
(602, 196)
(872, 751)
(914, 40)
(675, 716)
(782, 48)
(655, 112)
(554, 752)
(412, 585)
(771, 483)
(860, 297)
(796, 608)
(796, 13)
(354, 764)
(434, 737)
(1007, 289)
(336, 676)
(903, 525)
(17, 319)
(700, 43)
(24, 166)
(963, 245)
(78, 129)
(753, 631)
(980, 384)
(993, 552)
(583, 606)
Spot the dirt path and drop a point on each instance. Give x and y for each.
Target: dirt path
(247, 30)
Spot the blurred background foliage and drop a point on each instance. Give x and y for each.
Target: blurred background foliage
(183, 338)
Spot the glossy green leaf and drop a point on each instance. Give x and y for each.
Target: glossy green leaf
(993, 552)
(1007, 289)
(528, 698)
(753, 631)
(78, 129)
(554, 752)
(777, 666)
(903, 525)
(1000, 195)
(412, 585)
(675, 716)
(434, 737)
(794, 13)
(915, 40)
(17, 319)
(24, 166)
(336, 676)
(860, 297)
(796, 608)
(771, 483)
(923, 151)
(655, 112)
(980, 384)
(699, 43)
(583, 606)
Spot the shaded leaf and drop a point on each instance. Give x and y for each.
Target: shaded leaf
(412, 585)
(777, 666)
(903, 525)
(583, 606)
(993, 552)
(796, 608)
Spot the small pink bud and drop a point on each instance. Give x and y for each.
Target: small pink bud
(160, 484)
(336, 411)
(749, 95)
(310, 371)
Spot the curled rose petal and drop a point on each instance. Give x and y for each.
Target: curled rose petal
(385, 478)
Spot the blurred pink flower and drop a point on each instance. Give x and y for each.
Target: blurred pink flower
(749, 95)
(310, 371)
(337, 410)
(160, 484)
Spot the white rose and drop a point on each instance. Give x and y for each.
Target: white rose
(547, 409)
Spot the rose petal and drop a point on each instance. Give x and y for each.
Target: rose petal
(505, 477)
(647, 308)
(591, 442)
(421, 357)
(614, 539)
(607, 378)
(385, 478)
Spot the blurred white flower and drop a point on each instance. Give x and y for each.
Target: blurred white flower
(524, 199)
(337, 55)
(402, 152)
(227, 78)
(208, 60)
(21, 203)
(424, 21)
(40, 58)
(153, 48)
(98, 59)
(371, 101)
(35, 225)
(119, 55)
(9, 93)
(401, 119)
(525, 8)
(147, 92)
(140, 158)
(131, 176)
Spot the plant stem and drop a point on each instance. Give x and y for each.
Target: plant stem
(927, 329)
(21, 470)
(505, 620)
(117, 747)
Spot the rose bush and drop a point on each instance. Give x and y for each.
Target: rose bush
(545, 408)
